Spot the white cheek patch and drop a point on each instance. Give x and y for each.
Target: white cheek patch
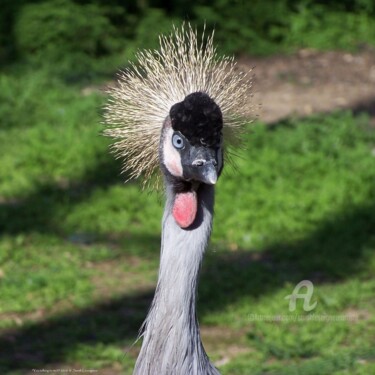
(171, 157)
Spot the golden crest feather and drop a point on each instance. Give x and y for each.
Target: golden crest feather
(146, 91)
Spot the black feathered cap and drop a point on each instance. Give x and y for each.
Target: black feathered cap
(199, 119)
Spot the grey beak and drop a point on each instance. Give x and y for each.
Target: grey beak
(208, 174)
(200, 164)
(203, 171)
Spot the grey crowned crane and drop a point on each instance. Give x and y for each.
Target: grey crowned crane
(175, 112)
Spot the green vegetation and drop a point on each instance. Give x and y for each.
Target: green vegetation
(86, 39)
(79, 249)
(75, 37)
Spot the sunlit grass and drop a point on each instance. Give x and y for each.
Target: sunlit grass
(79, 249)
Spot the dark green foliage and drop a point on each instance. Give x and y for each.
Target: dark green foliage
(246, 26)
(83, 37)
(263, 27)
(146, 34)
(315, 26)
(64, 35)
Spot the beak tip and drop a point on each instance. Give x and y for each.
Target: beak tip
(211, 177)
(205, 173)
(212, 181)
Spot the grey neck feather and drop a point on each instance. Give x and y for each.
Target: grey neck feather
(171, 338)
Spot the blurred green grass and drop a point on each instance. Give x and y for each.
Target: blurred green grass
(79, 249)
(86, 40)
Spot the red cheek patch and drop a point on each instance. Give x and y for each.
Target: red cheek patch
(185, 208)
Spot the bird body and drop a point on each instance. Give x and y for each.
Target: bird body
(178, 110)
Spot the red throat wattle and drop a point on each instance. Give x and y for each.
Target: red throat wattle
(185, 208)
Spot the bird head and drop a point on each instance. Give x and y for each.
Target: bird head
(196, 98)
(191, 142)
(178, 108)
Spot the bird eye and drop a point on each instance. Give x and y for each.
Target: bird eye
(177, 141)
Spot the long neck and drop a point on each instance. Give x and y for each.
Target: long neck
(171, 339)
